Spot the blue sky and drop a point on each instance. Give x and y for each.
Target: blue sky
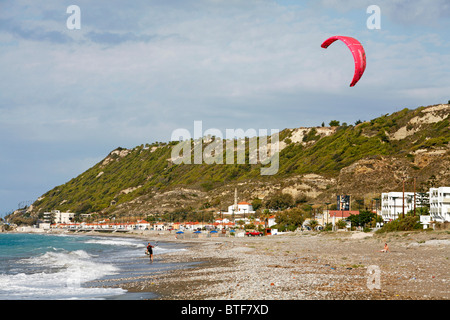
(138, 70)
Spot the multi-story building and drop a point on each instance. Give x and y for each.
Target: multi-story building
(440, 204)
(393, 205)
(56, 216)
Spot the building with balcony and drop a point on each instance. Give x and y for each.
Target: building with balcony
(440, 204)
(393, 205)
(56, 216)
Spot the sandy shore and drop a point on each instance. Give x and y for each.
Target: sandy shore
(300, 266)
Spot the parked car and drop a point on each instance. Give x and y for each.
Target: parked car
(254, 233)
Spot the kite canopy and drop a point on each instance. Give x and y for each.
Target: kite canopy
(358, 52)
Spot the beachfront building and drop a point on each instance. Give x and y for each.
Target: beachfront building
(393, 205)
(336, 215)
(271, 221)
(440, 204)
(58, 217)
(142, 225)
(223, 225)
(159, 226)
(193, 226)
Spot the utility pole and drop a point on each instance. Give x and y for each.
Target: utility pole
(235, 209)
(232, 216)
(404, 178)
(328, 212)
(403, 199)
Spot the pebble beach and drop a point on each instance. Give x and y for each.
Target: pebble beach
(303, 266)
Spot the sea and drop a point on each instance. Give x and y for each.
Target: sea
(76, 267)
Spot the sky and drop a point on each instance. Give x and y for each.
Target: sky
(135, 71)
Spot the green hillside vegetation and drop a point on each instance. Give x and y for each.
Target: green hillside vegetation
(147, 169)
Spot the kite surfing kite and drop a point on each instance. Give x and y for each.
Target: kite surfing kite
(358, 52)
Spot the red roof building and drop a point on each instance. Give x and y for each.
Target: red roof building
(342, 213)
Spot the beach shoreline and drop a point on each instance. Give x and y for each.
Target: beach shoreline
(296, 266)
(301, 266)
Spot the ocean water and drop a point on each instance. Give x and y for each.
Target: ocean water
(45, 266)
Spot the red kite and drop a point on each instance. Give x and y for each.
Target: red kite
(358, 52)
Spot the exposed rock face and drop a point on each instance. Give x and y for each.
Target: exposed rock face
(115, 155)
(429, 115)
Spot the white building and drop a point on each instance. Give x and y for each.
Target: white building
(271, 221)
(58, 216)
(240, 208)
(392, 204)
(440, 204)
(142, 225)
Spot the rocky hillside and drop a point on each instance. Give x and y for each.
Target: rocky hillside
(363, 160)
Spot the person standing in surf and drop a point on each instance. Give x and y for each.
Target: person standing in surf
(150, 251)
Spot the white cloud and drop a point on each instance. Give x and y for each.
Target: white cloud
(406, 12)
(138, 70)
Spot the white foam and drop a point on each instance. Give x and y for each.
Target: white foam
(67, 272)
(117, 242)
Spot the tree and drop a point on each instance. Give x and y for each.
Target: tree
(361, 219)
(328, 227)
(280, 201)
(407, 223)
(334, 123)
(383, 136)
(301, 198)
(420, 211)
(256, 204)
(313, 224)
(240, 223)
(290, 219)
(250, 226)
(265, 215)
(311, 135)
(341, 224)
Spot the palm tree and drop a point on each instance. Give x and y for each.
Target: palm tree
(341, 224)
(313, 224)
(265, 215)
